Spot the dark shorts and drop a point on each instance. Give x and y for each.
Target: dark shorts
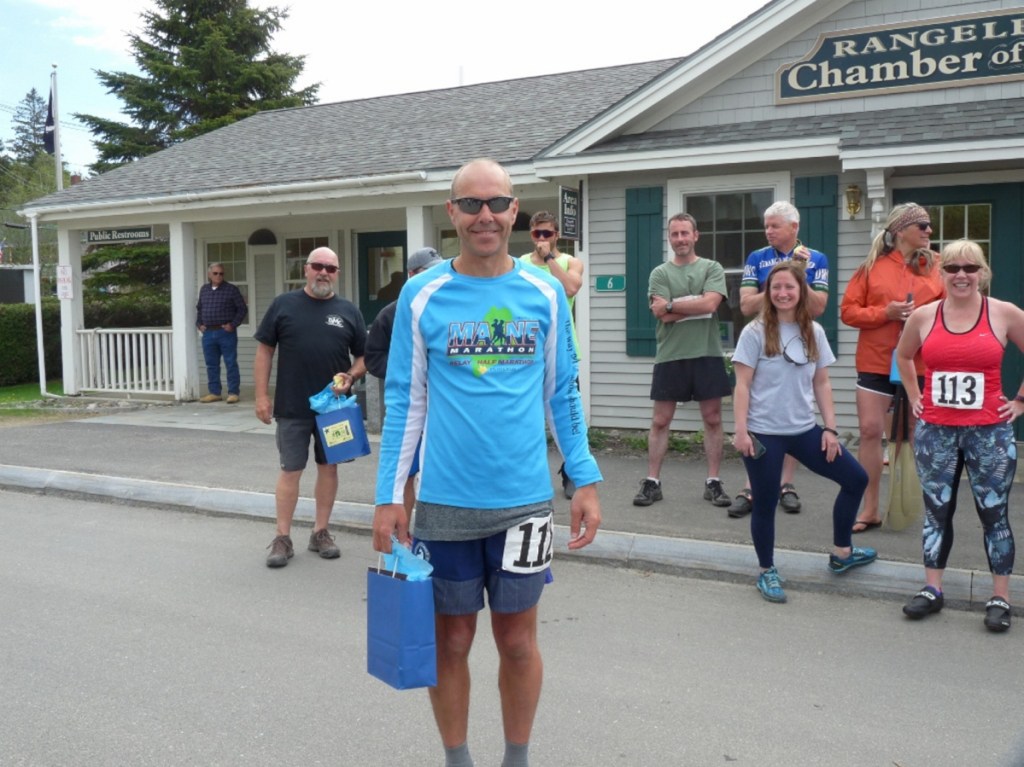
(879, 383)
(685, 380)
(292, 436)
(464, 570)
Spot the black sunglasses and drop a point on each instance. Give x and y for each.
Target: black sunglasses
(472, 205)
(968, 268)
(803, 346)
(543, 234)
(316, 266)
(924, 226)
(217, 273)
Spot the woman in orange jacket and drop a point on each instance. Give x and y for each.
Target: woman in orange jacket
(898, 275)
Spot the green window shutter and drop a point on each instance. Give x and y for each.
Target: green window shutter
(816, 198)
(645, 230)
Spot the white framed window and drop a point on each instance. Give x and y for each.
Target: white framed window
(233, 254)
(956, 221)
(730, 219)
(296, 251)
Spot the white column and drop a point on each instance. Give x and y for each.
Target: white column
(878, 196)
(583, 301)
(72, 311)
(419, 227)
(185, 346)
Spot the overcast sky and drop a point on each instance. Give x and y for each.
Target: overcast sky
(355, 50)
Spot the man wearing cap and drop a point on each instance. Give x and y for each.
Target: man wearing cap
(379, 340)
(568, 270)
(219, 311)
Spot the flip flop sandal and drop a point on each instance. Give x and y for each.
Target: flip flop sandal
(997, 614)
(788, 499)
(867, 526)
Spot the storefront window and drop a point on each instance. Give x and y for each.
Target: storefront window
(296, 251)
(731, 226)
(233, 256)
(955, 222)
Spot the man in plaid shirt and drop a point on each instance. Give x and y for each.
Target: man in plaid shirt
(219, 311)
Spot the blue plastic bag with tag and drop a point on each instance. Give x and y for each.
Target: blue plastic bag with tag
(327, 401)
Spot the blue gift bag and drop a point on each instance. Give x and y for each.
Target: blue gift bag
(342, 433)
(400, 646)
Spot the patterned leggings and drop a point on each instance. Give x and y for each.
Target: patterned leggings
(990, 455)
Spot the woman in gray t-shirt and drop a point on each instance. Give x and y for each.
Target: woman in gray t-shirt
(781, 363)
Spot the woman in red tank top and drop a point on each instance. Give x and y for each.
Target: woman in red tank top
(964, 421)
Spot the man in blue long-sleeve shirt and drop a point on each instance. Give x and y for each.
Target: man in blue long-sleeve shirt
(482, 355)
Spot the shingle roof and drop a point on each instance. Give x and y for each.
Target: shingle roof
(388, 134)
(856, 130)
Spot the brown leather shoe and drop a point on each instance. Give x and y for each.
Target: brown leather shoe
(210, 398)
(323, 542)
(281, 551)
(232, 399)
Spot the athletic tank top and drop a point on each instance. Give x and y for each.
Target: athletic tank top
(962, 382)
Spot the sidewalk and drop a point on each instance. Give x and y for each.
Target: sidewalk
(220, 459)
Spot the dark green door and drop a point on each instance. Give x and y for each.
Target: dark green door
(993, 215)
(381, 270)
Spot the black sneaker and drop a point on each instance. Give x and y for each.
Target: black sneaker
(997, 614)
(650, 491)
(714, 492)
(789, 501)
(742, 504)
(925, 602)
(280, 551)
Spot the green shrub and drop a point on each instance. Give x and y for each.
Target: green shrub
(18, 357)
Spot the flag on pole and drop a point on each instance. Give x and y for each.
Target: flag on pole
(48, 143)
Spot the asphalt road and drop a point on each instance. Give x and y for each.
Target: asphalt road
(144, 636)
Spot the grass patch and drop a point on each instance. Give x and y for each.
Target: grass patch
(26, 393)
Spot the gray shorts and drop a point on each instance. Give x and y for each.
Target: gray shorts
(292, 436)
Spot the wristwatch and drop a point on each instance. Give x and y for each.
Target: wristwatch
(1019, 398)
(548, 257)
(668, 306)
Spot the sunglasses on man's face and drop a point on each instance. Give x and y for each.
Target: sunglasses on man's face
(217, 274)
(318, 267)
(967, 268)
(543, 234)
(472, 205)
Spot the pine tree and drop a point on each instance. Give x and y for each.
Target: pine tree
(29, 124)
(206, 64)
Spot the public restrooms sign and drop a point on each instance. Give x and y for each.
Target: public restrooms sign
(956, 51)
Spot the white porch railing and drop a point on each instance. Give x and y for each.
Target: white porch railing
(126, 360)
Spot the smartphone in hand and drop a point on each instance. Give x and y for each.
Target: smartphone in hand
(759, 449)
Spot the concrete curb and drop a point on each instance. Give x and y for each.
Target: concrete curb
(632, 550)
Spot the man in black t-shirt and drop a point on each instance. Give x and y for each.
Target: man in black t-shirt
(320, 336)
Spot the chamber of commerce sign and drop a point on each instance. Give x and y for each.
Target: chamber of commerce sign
(956, 51)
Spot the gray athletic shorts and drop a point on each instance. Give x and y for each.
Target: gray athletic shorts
(293, 435)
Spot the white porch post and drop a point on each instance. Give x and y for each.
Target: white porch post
(582, 303)
(72, 311)
(419, 227)
(184, 347)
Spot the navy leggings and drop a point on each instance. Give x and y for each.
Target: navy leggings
(766, 472)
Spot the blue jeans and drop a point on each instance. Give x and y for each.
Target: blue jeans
(766, 472)
(217, 343)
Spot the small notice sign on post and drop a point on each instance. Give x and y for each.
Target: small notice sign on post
(65, 282)
(569, 212)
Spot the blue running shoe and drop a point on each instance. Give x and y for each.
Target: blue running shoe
(858, 558)
(769, 584)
